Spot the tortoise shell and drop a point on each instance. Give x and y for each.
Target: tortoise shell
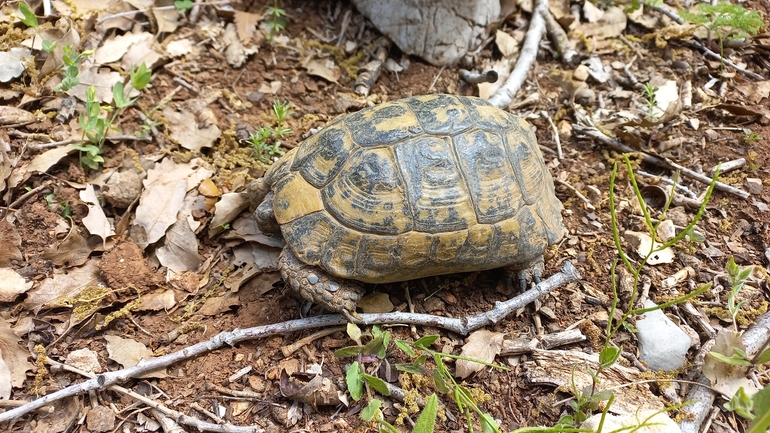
(422, 186)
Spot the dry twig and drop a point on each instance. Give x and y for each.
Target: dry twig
(662, 162)
(504, 96)
(461, 326)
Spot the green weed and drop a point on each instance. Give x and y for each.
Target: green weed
(266, 140)
(277, 20)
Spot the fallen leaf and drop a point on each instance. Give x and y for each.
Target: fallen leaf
(44, 161)
(325, 69)
(375, 302)
(96, 221)
(227, 208)
(187, 129)
(62, 285)
(101, 80)
(128, 353)
(270, 88)
(217, 305)
(13, 356)
(5, 377)
(506, 43)
(13, 63)
(643, 243)
(113, 49)
(144, 52)
(166, 20)
(247, 25)
(724, 377)
(180, 248)
(74, 250)
(245, 228)
(11, 242)
(610, 25)
(12, 285)
(315, 390)
(157, 301)
(180, 47)
(162, 198)
(263, 257)
(236, 52)
(15, 116)
(482, 345)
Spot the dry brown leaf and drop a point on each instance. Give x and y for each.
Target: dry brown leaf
(192, 129)
(142, 52)
(482, 345)
(611, 24)
(96, 221)
(236, 52)
(270, 88)
(12, 285)
(166, 20)
(11, 242)
(506, 43)
(12, 63)
(375, 302)
(227, 209)
(157, 301)
(5, 379)
(15, 116)
(724, 377)
(162, 198)
(315, 390)
(325, 69)
(217, 305)
(247, 24)
(128, 353)
(263, 257)
(245, 228)
(179, 252)
(643, 243)
(14, 356)
(62, 285)
(101, 80)
(113, 49)
(73, 250)
(180, 47)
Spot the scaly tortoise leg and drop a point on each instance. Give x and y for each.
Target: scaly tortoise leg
(317, 286)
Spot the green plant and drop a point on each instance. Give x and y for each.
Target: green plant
(277, 21)
(359, 381)
(29, 19)
(736, 277)
(649, 100)
(750, 136)
(727, 20)
(71, 68)
(588, 400)
(266, 140)
(183, 5)
(66, 210)
(95, 125)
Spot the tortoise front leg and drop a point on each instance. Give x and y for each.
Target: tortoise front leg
(319, 287)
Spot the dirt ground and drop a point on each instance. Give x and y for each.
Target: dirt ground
(730, 226)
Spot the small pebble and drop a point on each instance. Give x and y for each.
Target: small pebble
(585, 97)
(754, 185)
(581, 73)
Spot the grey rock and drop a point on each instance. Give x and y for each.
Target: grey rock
(662, 344)
(439, 31)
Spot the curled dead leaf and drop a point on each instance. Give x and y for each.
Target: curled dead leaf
(315, 390)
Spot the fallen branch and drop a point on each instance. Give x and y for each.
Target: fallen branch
(561, 42)
(504, 96)
(707, 52)
(754, 339)
(462, 326)
(659, 161)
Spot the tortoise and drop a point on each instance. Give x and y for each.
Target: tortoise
(417, 187)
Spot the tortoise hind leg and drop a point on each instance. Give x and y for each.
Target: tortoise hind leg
(525, 276)
(320, 287)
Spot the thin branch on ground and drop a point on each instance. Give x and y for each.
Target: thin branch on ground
(488, 76)
(461, 326)
(161, 8)
(561, 42)
(556, 138)
(702, 399)
(659, 161)
(504, 96)
(703, 49)
(176, 415)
